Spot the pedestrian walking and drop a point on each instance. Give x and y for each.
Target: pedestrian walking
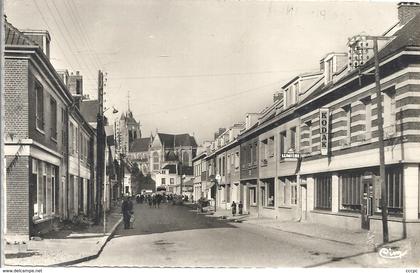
(159, 199)
(149, 200)
(240, 207)
(233, 206)
(154, 201)
(125, 209)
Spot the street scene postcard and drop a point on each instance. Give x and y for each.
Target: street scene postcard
(142, 134)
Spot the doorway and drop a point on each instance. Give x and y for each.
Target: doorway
(367, 200)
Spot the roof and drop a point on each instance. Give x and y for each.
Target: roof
(171, 168)
(14, 37)
(169, 140)
(140, 145)
(408, 35)
(89, 109)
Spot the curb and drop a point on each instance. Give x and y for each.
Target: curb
(94, 256)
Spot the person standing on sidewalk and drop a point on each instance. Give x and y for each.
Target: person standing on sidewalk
(233, 206)
(240, 207)
(125, 209)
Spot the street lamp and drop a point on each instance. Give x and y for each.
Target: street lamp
(218, 178)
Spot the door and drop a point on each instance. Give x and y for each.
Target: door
(367, 200)
(304, 204)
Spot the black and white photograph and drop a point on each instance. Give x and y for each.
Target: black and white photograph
(142, 135)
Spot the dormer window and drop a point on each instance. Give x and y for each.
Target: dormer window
(329, 70)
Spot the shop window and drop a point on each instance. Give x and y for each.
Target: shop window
(283, 192)
(270, 193)
(293, 191)
(34, 189)
(394, 181)
(323, 192)
(253, 196)
(263, 196)
(44, 190)
(351, 191)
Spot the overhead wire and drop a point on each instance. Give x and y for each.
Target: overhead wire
(58, 43)
(85, 38)
(66, 40)
(211, 100)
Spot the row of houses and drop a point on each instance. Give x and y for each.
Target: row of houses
(313, 154)
(56, 166)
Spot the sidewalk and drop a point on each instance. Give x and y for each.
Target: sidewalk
(368, 243)
(64, 247)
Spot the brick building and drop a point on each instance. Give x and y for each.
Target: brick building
(39, 109)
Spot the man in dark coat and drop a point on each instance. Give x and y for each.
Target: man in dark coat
(125, 209)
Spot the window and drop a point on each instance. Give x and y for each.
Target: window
(329, 69)
(185, 158)
(39, 105)
(44, 189)
(237, 160)
(394, 181)
(253, 196)
(282, 143)
(78, 86)
(76, 139)
(171, 181)
(251, 155)
(53, 189)
(264, 152)
(323, 192)
(293, 191)
(223, 166)
(53, 104)
(293, 138)
(282, 197)
(63, 120)
(263, 196)
(351, 191)
(296, 89)
(270, 193)
(389, 108)
(271, 146)
(81, 194)
(34, 189)
(367, 103)
(228, 164)
(155, 161)
(71, 140)
(163, 181)
(347, 110)
(306, 137)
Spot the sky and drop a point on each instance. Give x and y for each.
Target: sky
(195, 66)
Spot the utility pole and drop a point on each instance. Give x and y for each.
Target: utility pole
(384, 195)
(100, 147)
(362, 41)
(2, 134)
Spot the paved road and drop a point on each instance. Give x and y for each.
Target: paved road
(174, 236)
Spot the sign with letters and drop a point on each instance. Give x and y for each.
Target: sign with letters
(323, 127)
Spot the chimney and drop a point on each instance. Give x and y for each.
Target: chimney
(407, 10)
(40, 37)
